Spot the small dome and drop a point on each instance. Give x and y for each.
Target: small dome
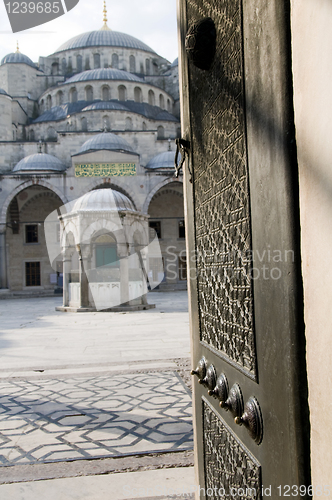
(103, 200)
(106, 140)
(104, 38)
(104, 74)
(162, 160)
(175, 63)
(40, 162)
(17, 58)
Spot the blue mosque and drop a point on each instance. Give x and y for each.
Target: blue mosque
(101, 112)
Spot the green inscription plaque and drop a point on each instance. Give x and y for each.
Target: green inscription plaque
(105, 169)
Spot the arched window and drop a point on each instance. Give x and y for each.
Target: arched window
(160, 132)
(106, 123)
(96, 61)
(79, 64)
(122, 93)
(89, 93)
(55, 69)
(105, 93)
(144, 127)
(106, 251)
(161, 101)
(73, 94)
(87, 63)
(115, 61)
(132, 64)
(129, 124)
(64, 66)
(147, 66)
(169, 106)
(178, 133)
(84, 124)
(41, 106)
(49, 101)
(151, 97)
(31, 135)
(138, 94)
(59, 98)
(51, 134)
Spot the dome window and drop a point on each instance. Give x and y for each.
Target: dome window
(49, 101)
(96, 61)
(152, 99)
(132, 64)
(64, 66)
(89, 93)
(59, 98)
(105, 93)
(115, 61)
(55, 69)
(160, 132)
(84, 124)
(138, 94)
(147, 66)
(161, 101)
(79, 64)
(169, 106)
(73, 94)
(122, 93)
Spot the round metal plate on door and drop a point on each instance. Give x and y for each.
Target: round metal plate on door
(210, 379)
(200, 371)
(252, 419)
(234, 402)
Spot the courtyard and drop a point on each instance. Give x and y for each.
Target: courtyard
(84, 394)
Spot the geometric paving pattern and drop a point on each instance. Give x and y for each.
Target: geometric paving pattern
(84, 417)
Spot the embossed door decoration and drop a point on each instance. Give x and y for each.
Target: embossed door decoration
(250, 387)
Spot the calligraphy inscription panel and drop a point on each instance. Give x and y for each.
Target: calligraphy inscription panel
(221, 190)
(105, 169)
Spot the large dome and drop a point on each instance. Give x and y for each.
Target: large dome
(103, 200)
(17, 58)
(104, 38)
(104, 74)
(40, 162)
(108, 141)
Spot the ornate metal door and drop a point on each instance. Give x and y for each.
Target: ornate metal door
(242, 220)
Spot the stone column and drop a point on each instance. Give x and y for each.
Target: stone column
(3, 260)
(84, 290)
(66, 273)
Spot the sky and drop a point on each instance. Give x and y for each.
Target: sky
(151, 21)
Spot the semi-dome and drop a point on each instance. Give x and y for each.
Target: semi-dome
(108, 141)
(40, 162)
(104, 74)
(17, 58)
(162, 160)
(104, 38)
(175, 63)
(103, 200)
(105, 105)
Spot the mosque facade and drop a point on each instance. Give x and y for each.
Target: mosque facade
(101, 112)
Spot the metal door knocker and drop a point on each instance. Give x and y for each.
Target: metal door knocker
(182, 148)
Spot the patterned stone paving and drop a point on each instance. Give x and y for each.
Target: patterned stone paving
(51, 420)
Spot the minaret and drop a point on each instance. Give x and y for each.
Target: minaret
(105, 27)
